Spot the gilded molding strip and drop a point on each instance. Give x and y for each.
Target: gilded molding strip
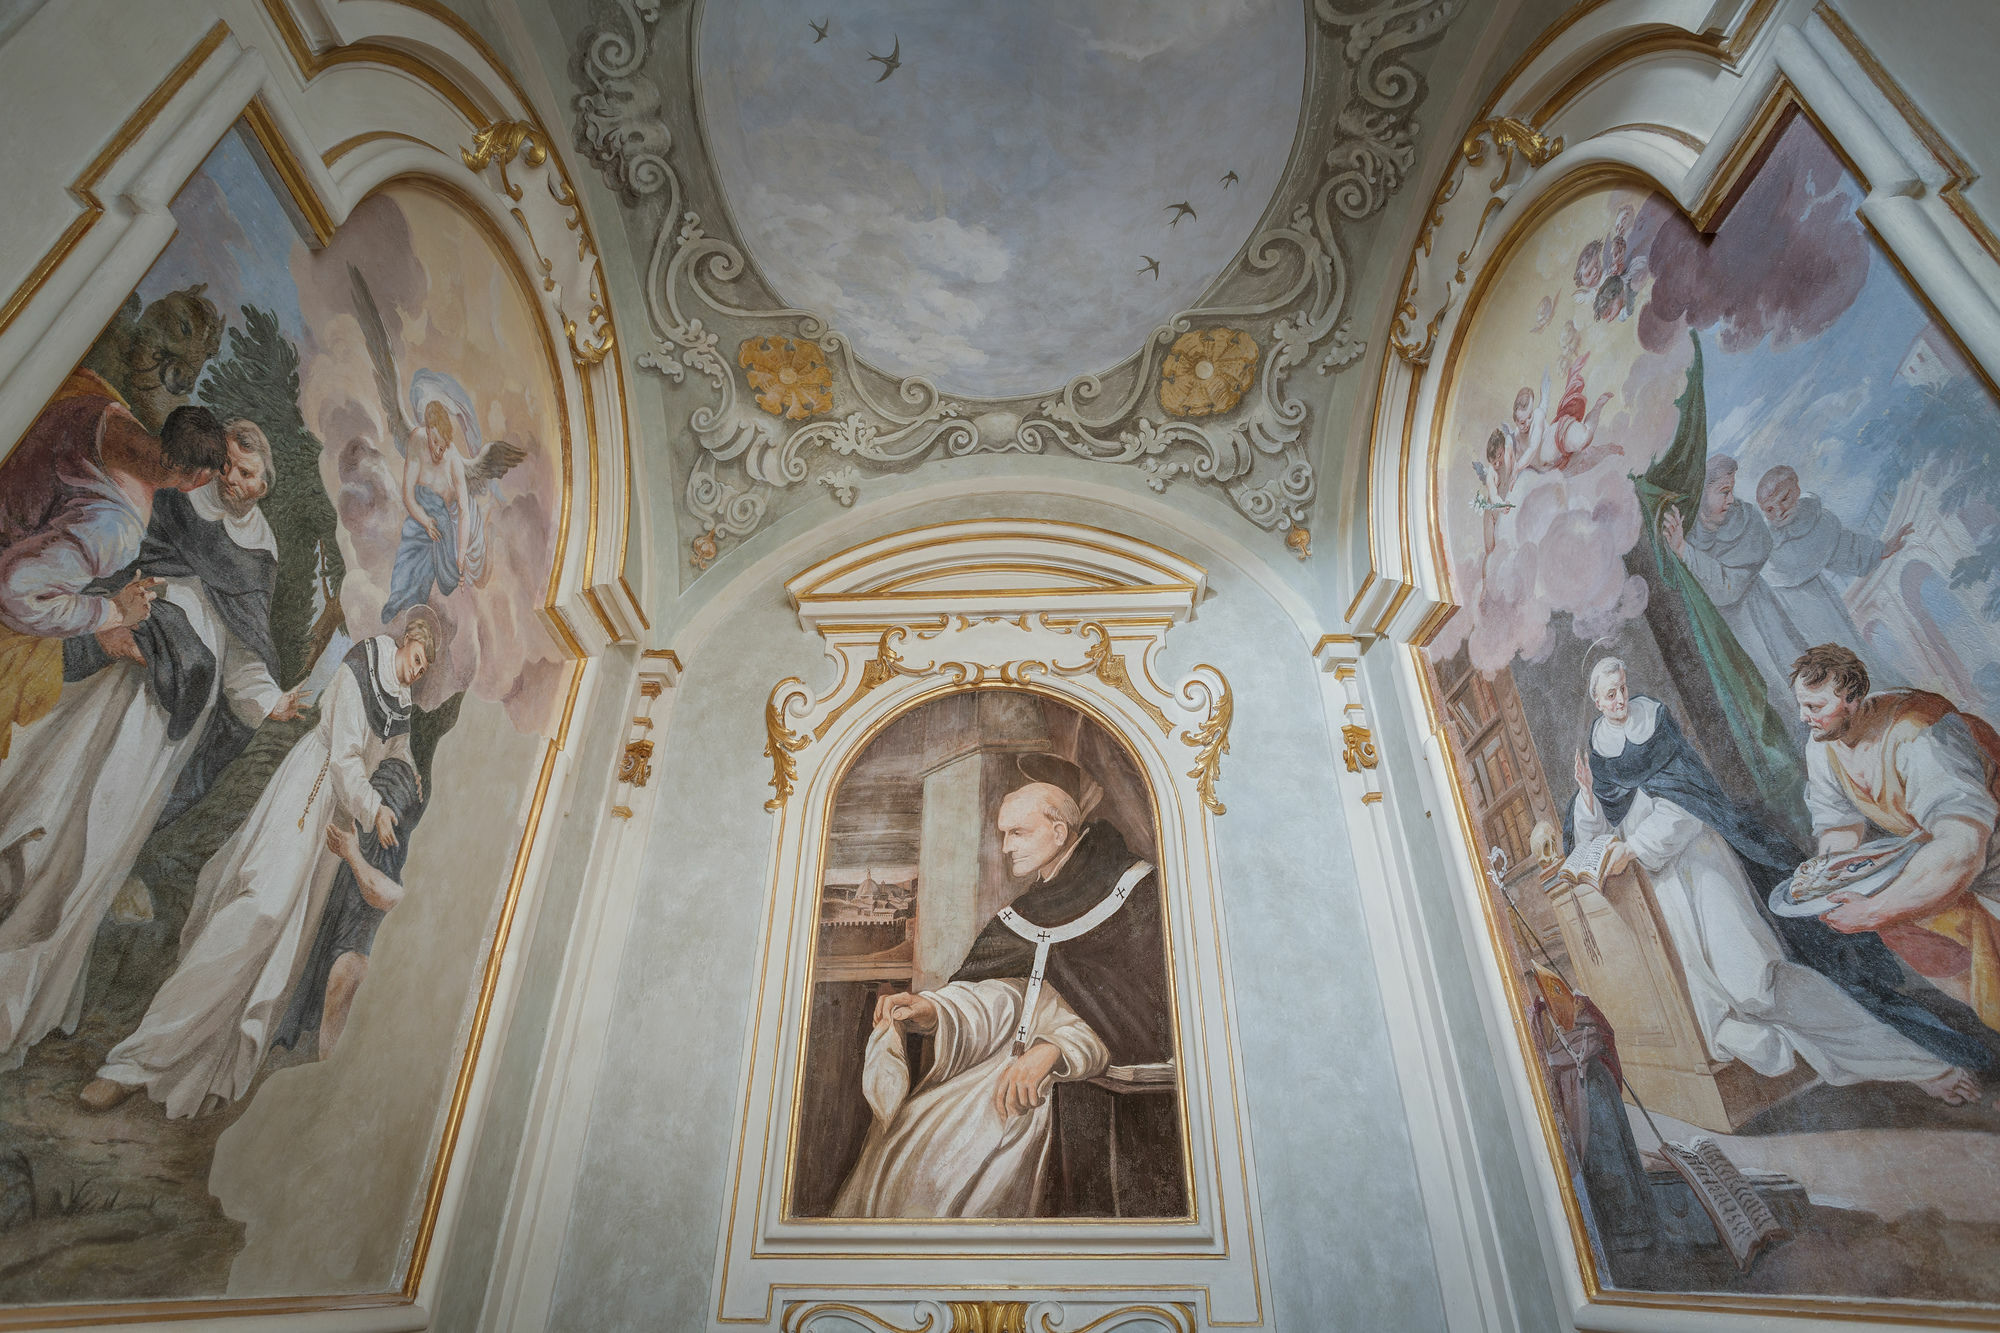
(989, 1316)
(1211, 739)
(1358, 748)
(799, 1315)
(1514, 141)
(781, 742)
(1178, 1316)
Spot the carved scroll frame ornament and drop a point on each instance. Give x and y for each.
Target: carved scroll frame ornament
(573, 286)
(1517, 149)
(961, 1316)
(968, 651)
(1283, 305)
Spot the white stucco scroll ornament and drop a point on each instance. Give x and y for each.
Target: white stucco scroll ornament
(777, 403)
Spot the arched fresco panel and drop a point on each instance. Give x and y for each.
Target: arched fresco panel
(276, 685)
(1747, 907)
(966, 830)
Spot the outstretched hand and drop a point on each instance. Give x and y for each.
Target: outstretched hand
(1024, 1082)
(1584, 782)
(287, 706)
(134, 601)
(1896, 540)
(342, 840)
(385, 827)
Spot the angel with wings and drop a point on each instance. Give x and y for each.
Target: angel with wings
(447, 472)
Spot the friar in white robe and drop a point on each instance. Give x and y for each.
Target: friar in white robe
(257, 900)
(1726, 550)
(1809, 546)
(1067, 980)
(1753, 1003)
(954, 1148)
(87, 783)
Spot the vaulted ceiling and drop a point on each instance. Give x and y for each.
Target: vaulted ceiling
(893, 241)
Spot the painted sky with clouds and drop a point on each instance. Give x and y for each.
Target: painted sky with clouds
(979, 216)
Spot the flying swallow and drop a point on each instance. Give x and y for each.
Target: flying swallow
(1152, 267)
(1180, 210)
(1229, 180)
(819, 30)
(891, 62)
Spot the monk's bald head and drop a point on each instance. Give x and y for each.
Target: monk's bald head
(1037, 822)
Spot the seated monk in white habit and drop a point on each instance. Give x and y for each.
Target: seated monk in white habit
(1069, 979)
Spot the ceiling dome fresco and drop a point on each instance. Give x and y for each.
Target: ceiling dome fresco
(998, 197)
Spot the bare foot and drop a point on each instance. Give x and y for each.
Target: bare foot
(101, 1094)
(1954, 1087)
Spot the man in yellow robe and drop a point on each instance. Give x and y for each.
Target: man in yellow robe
(1909, 762)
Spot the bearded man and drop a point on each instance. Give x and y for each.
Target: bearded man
(89, 781)
(1066, 981)
(1909, 763)
(1643, 786)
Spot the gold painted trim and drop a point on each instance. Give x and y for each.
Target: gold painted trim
(853, 753)
(348, 145)
(311, 64)
(1211, 742)
(1357, 748)
(800, 1313)
(1961, 172)
(1371, 798)
(84, 188)
(1178, 1316)
(291, 173)
(989, 1316)
(781, 742)
(663, 654)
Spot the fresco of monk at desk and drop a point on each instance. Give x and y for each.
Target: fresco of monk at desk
(290, 521)
(1722, 516)
(992, 1029)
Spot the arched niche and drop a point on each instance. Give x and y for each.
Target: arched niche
(335, 121)
(992, 619)
(1699, 125)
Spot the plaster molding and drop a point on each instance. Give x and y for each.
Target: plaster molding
(1285, 299)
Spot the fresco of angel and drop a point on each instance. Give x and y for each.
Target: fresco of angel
(448, 471)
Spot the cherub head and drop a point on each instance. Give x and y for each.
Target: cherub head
(1524, 406)
(1590, 266)
(1496, 449)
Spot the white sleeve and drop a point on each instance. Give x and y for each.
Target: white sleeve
(1084, 1054)
(246, 682)
(1588, 818)
(1944, 776)
(1826, 803)
(42, 577)
(1662, 835)
(347, 738)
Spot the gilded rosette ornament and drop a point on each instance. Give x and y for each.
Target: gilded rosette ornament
(1208, 372)
(790, 376)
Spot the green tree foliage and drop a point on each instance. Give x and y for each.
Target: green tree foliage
(260, 381)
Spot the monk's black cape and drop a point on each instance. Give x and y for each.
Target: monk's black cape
(1115, 976)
